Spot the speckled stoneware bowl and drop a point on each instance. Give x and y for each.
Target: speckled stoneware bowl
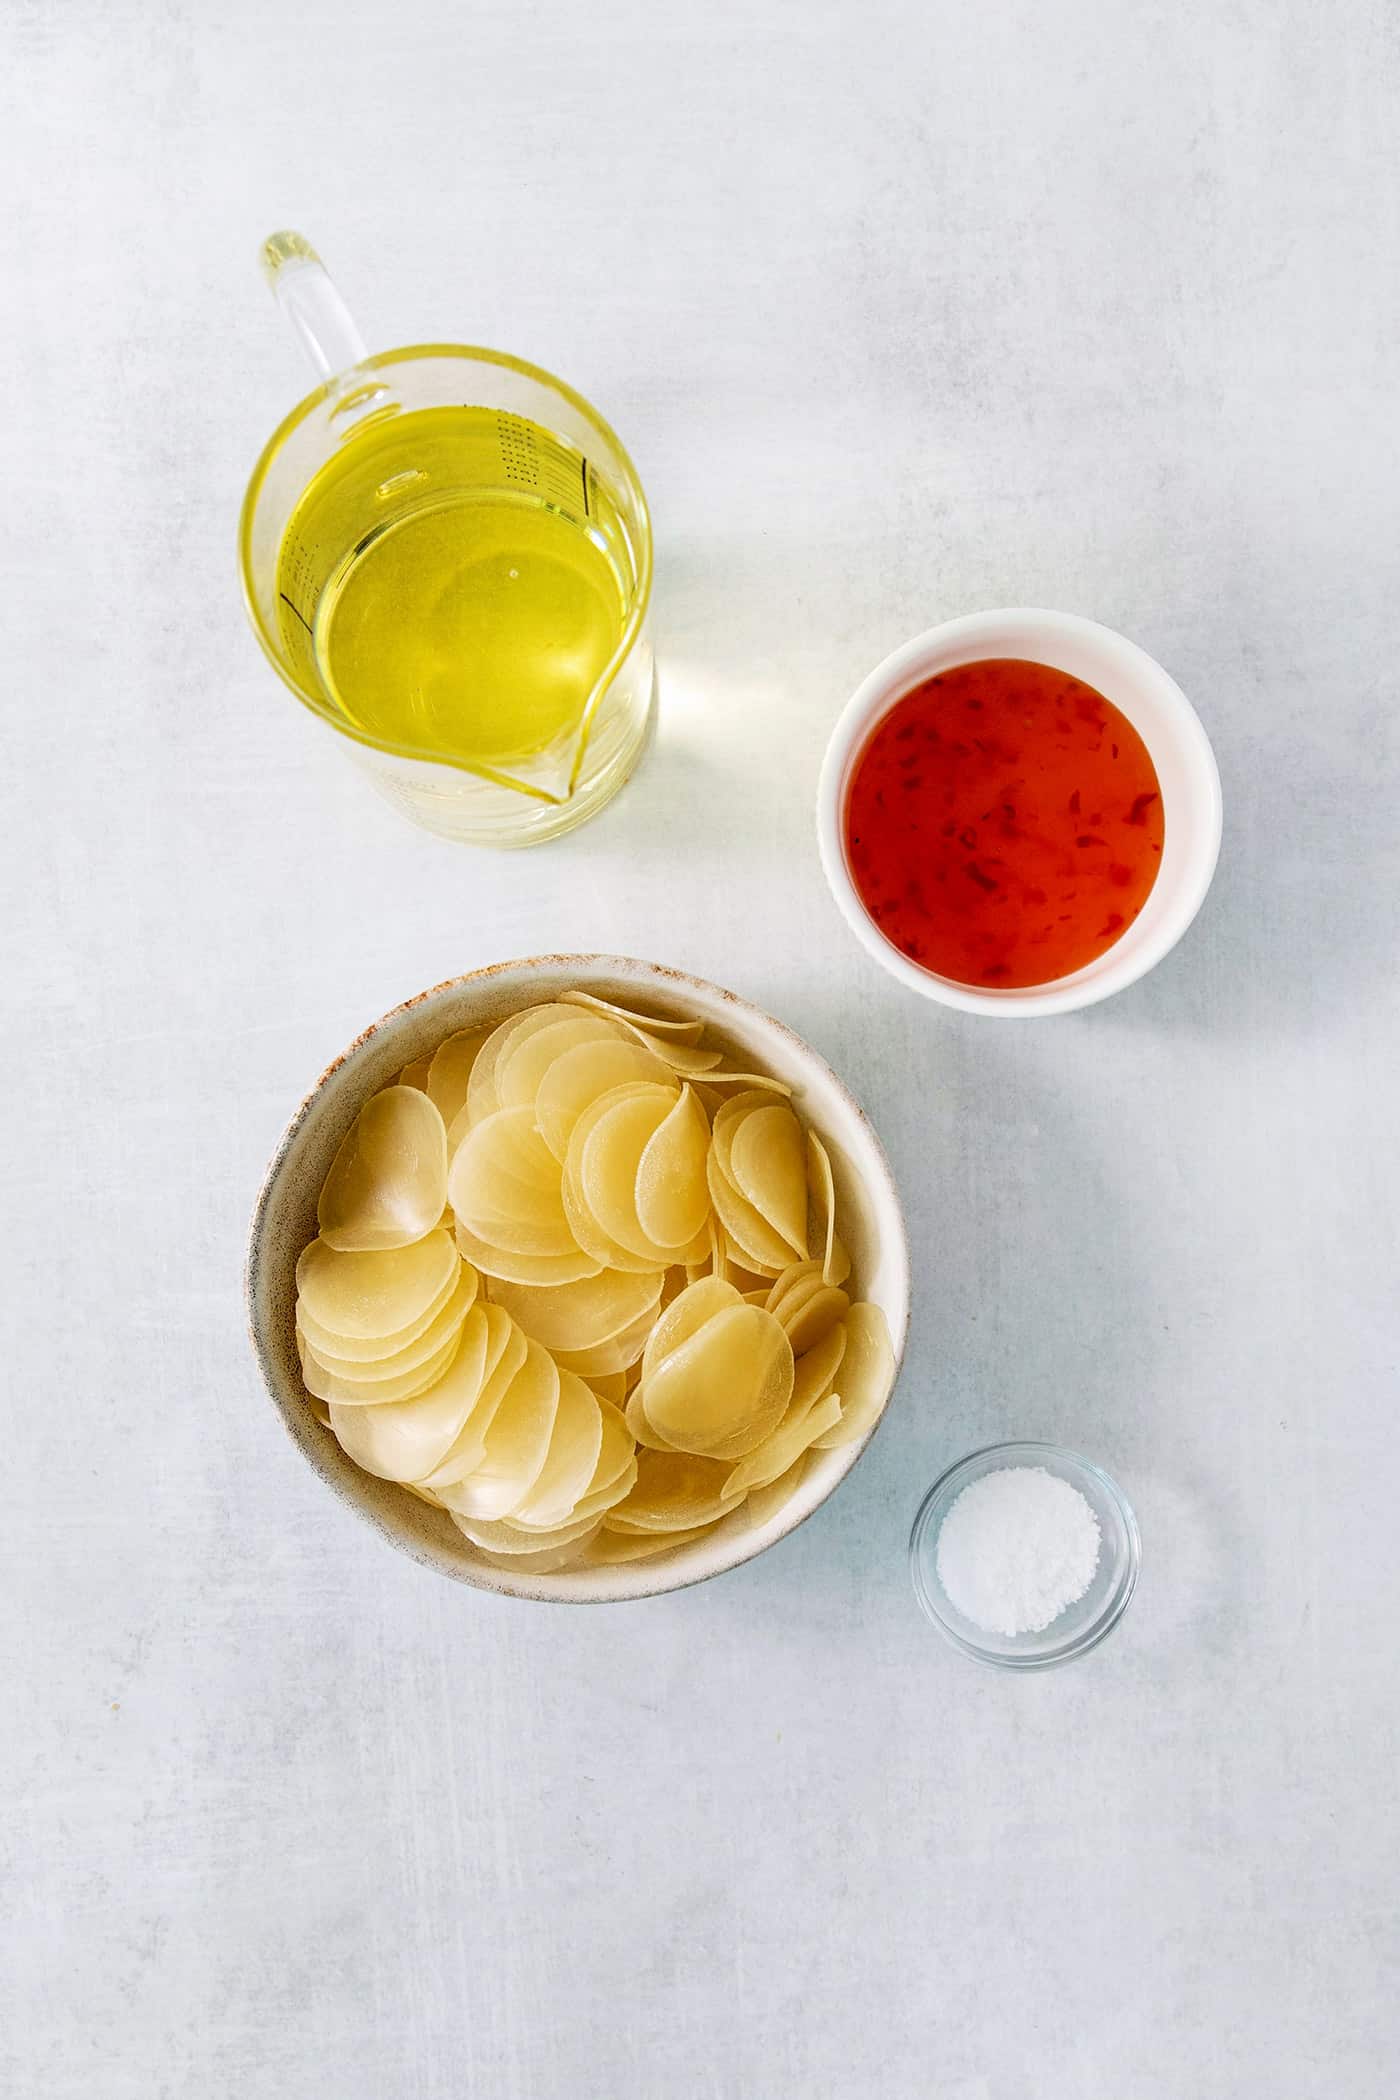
(872, 1224)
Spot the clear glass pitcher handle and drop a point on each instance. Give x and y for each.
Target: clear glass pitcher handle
(319, 316)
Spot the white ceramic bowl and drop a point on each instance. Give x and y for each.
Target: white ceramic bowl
(1163, 717)
(872, 1224)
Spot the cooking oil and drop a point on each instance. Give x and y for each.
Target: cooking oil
(457, 581)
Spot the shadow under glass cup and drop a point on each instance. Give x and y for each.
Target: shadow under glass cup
(535, 453)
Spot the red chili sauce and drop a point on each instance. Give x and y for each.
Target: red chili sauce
(1004, 824)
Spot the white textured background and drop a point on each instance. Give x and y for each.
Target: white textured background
(902, 310)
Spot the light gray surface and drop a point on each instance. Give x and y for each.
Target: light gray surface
(902, 311)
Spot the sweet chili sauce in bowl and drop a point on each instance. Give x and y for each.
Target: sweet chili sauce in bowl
(1003, 824)
(1019, 813)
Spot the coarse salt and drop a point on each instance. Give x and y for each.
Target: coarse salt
(1018, 1547)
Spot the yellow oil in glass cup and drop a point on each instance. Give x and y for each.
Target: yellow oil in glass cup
(446, 555)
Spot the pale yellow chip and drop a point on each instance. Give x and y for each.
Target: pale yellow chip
(765, 1502)
(615, 1474)
(799, 1283)
(517, 1443)
(550, 1563)
(671, 1192)
(682, 1031)
(361, 1297)
(610, 1386)
(758, 1242)
(867, 1373)
(512, 1542)
(599, 1500)
(416, 1074)
(816, 1373)
(836, 1262)
(618, 1353)
(375, 1392)
(527, 1059)
(504, 1186)
(482, 1099)
(510, 1267)
(506, 1349)
(798, 1272)
(677, 1044)
(639, 1427)
(521, 1152)
(767, 1165)
(696, 1271)
(601, 1246)
(751, 1283)
(356, 1371)
(723, 1260)
(587, 1229)
(607, 1165)
(615, 1453)
(547, 1562)
(420, 1494)
(725, 1388)
(685, 1058)
(574, 1445)
(406, 1439)
(719, 1077)
(730, 1264)
(380, 1347)
(808, 1315)
(580, 1315)
(745, 1270)
(673, 1492)
(730, 1112)
(583, 1075)
(673, 1281)
(784, 1447)
(759, 1246)
(450, 1071)
(612, 1549)
(715, 1234)
(686, 1315)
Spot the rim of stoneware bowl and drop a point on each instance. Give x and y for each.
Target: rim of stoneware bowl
(403, 1526)
(1042, 1651)
(1158, 709)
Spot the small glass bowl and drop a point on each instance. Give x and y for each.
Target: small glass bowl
(1080, 1626)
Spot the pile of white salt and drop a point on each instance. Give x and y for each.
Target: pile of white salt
(1017, 1548)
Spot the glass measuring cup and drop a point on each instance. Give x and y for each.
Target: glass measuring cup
(446, 555)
